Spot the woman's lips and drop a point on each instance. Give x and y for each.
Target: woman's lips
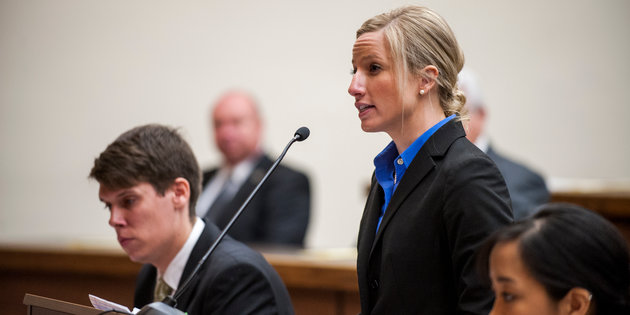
(363, 109)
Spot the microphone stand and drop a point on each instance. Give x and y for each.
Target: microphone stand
(167, 306)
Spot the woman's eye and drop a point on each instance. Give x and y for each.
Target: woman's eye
(353, 71)
(508, 297)
(374, 68)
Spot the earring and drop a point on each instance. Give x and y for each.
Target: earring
(421, 92)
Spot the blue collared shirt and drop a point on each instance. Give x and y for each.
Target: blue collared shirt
(391, 167)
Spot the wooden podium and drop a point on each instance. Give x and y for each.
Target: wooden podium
(39, 305)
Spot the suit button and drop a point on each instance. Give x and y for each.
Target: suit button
(374, 284)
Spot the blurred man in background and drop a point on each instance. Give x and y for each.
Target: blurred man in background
(527, 188)
(279, 213)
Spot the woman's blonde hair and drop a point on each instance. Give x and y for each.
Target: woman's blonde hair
(419, 37)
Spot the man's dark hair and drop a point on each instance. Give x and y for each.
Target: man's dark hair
(565, 246)
(151, 153)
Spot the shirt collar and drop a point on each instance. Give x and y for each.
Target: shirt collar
(242, 171)
(411, 152)
(386, 161)
(483, 142)
(173, 273)
(239, 173)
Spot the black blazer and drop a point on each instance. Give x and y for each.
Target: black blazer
(278, 214)
(234, 280)
(421, 261)
(527, 188)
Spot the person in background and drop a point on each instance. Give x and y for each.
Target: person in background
(434, 196)
(563, 260)
(279, 213)
(527, 188)
(149, 180)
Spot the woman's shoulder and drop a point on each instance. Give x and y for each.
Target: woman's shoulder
(463, 153)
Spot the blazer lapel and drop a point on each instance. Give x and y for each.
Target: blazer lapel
(370, 217)
(418, 169)
(436, 146)
(208, 236)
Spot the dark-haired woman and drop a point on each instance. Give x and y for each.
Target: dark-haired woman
(563, 260)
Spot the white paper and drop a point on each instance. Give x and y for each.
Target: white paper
(105, 305)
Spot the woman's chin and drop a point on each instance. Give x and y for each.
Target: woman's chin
(369, 127)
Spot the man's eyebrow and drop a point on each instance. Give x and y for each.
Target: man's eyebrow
(124, 192)
(120, 194)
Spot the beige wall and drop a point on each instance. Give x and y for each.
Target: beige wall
(75, 74)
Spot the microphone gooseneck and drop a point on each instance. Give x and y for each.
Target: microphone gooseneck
(169, 302)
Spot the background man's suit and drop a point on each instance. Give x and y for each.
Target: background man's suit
(421, 261)
(234, 280)
(278, 214)
(527, 188)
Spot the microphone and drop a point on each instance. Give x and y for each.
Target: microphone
(167, 306)
(302, 133)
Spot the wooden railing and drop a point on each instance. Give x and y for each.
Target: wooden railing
(318, 284)
(319, 281)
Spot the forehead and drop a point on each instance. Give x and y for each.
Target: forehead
(371, 45)
(505, 252)
(109, 194)
(506, 262)
(234, 106)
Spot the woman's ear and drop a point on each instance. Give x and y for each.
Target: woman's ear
(181, 193)
(576, 302)
(427, 78)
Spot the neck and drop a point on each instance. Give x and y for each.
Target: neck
(417, 122)
(177, 241)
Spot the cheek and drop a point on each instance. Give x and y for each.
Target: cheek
(542, 304)
(525, 304)
(159, 213)
(384, 93)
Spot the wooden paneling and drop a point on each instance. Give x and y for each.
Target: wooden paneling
(67, 275)
(613, 205)
(317, 286)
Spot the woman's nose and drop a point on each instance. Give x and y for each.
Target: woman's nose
(357, 87)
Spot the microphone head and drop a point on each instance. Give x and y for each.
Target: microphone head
(302, 133)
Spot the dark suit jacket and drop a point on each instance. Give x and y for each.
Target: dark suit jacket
(234, 280)
(421, 261)
(278, 213)
(527, 188)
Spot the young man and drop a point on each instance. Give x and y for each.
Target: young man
(150, 180)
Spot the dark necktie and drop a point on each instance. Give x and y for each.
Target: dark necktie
(219, 206)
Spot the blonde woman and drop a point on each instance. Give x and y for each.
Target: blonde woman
(434, 196)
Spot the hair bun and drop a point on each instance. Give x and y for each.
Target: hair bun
(459, 100)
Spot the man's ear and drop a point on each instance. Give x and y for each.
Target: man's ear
(427, 77)
(576, 302)
(181, 193)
